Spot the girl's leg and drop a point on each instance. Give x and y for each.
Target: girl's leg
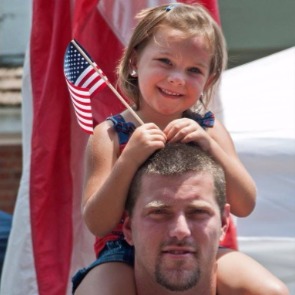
(239, 274)
(113, 278)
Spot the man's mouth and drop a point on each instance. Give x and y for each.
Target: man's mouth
(178, 251)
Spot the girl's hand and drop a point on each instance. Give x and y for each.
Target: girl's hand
(145, 140)
(187, 130)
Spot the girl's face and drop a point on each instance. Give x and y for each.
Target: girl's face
(172, 71)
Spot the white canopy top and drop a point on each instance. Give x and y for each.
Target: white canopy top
(258, 101)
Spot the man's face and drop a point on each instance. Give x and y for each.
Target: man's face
(175, 228)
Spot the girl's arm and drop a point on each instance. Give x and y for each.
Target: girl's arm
(108, 176)
(240, 187)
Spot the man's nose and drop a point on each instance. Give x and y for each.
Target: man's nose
(180, 227)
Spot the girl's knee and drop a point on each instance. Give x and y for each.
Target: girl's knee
(276, 288)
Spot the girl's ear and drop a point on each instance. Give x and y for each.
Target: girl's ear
(133, 61)
(127, 230)
(209, 82)
(225, 221)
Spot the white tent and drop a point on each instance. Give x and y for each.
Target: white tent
(258, 106)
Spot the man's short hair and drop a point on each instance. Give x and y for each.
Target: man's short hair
(177, 159)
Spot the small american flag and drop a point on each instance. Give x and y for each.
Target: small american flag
(82, 80)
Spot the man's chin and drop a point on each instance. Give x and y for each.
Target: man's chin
(177, 278)
(178, 263)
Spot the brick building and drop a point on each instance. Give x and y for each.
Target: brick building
(10, 136)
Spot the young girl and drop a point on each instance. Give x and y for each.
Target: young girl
(169, 71)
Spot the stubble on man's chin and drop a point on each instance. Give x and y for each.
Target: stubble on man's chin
(177, 279)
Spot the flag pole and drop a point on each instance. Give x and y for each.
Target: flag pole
(108, 83)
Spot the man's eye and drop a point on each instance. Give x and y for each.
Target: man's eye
(159, 214)
(159, 211)
(198, 212)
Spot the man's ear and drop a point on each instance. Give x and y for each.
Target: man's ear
(127, 230)
(225, 221)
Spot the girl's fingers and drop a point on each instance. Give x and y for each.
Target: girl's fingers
(180, 129)
(149, 131)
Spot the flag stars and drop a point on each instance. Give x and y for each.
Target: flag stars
(74, 64)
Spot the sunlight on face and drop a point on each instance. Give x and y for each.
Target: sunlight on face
(172, 71)
(176, 227)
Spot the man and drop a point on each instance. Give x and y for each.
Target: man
(176, 217)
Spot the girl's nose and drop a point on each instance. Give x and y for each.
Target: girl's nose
(176, 78)
(180, 228)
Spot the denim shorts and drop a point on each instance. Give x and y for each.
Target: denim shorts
(114, 251)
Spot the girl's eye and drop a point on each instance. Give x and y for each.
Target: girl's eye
(195, 70)
(165, 61)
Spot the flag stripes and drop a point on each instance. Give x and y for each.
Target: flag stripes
(83, 80)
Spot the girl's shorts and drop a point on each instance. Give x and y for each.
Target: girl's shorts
(114, 251)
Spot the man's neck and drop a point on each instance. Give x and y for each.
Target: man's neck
(147, 288)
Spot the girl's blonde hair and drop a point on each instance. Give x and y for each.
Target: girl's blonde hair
(193, 20)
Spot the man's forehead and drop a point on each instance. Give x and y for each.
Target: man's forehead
(191, 187)
(151, 181)
(170, 202)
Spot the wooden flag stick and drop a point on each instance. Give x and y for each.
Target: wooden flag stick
(99, 71)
